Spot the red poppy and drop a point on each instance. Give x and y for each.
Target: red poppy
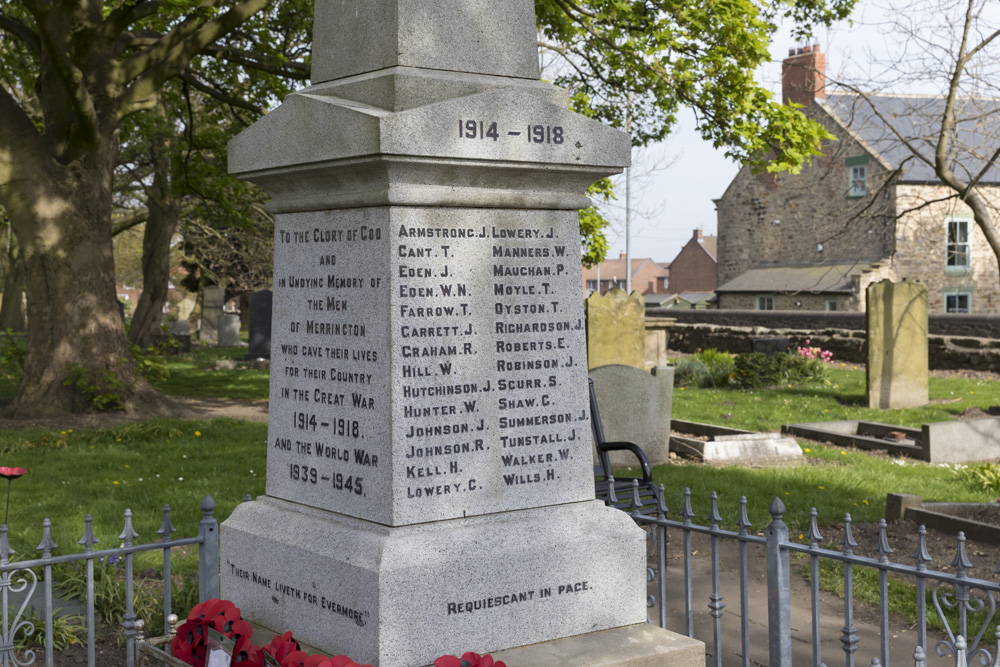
(448, 661)
(11, 473)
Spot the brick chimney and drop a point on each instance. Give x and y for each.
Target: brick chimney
(803, 75)
(697, 235)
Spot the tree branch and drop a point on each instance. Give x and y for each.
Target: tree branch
(178, 57)
(129, 13)
(220, 95)
(72, 80)
(19, 140)
(293, 70)
(21, 31)
(141, 62)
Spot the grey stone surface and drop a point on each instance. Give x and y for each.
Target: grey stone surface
(544, 156)
(429, 444)
(212, 300)
(641, 645)
(896, 505)
(179, 328)
(962, 441)
(480, 36)
(399, 597)
(229, 330)
(429, 357)
(767, 450)
(260, 325)
(635, 406)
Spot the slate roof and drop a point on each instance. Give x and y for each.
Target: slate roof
(811, 278)
(916, 118)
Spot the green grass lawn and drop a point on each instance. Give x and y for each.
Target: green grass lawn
(842, 398)
(139, 466)
(146, 465)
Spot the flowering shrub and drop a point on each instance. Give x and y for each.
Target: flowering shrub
(816, 353)
(191, 643)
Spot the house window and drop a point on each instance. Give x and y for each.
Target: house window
(857, 181)
(959, 251)
(831, 305)
(958, 302)
(765, 302)
(591, 285)
(857, 174)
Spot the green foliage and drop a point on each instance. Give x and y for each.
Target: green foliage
(985, 475)
(151, 362)
(105, 389)
(66, 630)
(592, 224)
(12, 354)
(102, 387)
(110, 593)
(757, 370)
(638, 62)
(707, 368)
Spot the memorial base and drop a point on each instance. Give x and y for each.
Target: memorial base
(402, 596)
(641, 645)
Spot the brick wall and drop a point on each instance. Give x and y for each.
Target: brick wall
(693, 270)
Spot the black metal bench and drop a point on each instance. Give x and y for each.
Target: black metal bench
(626, 493)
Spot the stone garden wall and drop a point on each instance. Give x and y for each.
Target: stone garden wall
(955, 342)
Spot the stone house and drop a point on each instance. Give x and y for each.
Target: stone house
(864, 211)
(694, 268)
(648, 277)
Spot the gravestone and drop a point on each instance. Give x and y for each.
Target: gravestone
(616, 329)
(260, 325)
(897, 371)
(229, 330)
(212, 300)
(635, 407)
(769, 346)
(429, 479)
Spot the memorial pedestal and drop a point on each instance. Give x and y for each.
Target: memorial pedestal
(406, 595)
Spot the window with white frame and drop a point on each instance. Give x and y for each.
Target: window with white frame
(958, 250)
(857, 185)
(765, 302)
(591, 285)
(958, 302)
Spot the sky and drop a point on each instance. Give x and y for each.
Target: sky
(674, 183)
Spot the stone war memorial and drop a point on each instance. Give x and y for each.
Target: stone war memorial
(429, 478)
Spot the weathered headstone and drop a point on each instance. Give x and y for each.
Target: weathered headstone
(429, 479)
(897, 369)
(635, 406)
(212, 300)
(657, 340)
(616, 329)
(229, 330)
(260, 325)
(769, 345)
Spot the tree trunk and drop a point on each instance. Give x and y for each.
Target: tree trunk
(12, 311)
(164, 211)
(61, 215)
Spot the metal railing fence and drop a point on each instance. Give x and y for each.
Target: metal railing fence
(956, 592)
(20, 577)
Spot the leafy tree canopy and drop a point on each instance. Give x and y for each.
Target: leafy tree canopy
(639, 62)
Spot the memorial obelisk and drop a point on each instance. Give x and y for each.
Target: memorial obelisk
(429, 477)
